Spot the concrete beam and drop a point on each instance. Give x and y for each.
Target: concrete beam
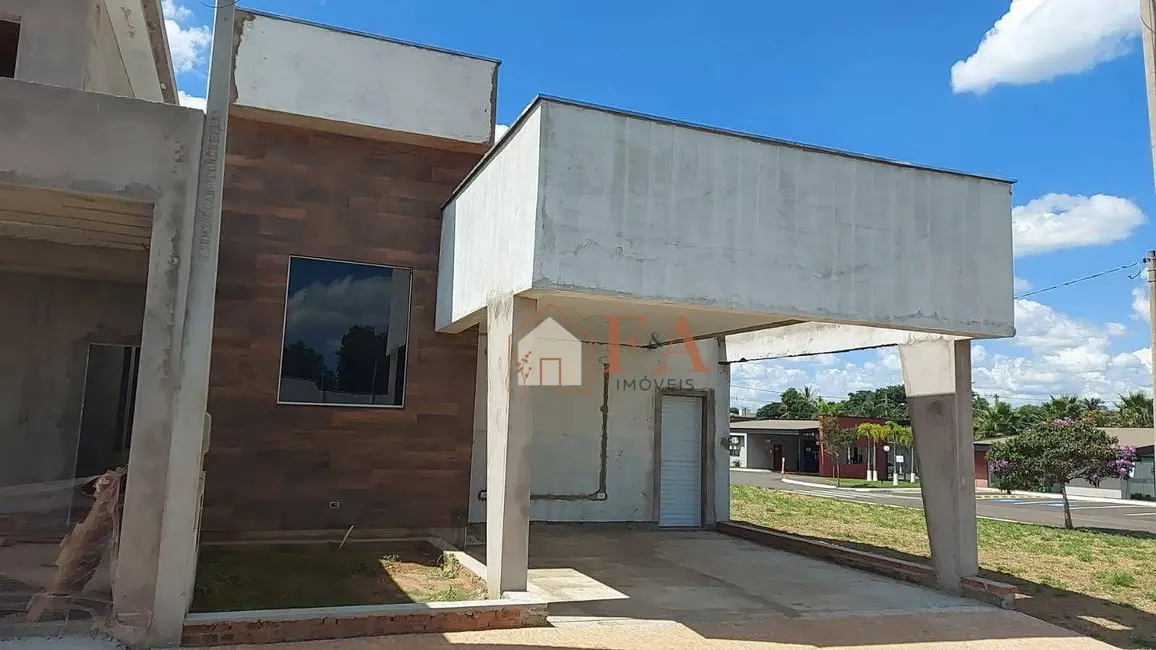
(937, 377)
(509, 430)
(807, 339)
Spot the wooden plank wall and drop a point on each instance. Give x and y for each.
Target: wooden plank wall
(292, 191)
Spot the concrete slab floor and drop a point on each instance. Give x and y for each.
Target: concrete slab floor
(703, 590)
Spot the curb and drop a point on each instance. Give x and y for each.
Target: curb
(824, 486)
(1050, 495)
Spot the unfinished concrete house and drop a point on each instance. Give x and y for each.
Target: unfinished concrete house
(98, 178)
(359, 318)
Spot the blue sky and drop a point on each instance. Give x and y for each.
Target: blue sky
(1048, 92)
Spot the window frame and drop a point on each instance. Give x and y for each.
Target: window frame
(285, 325)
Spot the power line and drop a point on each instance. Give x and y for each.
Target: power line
(1078, 280)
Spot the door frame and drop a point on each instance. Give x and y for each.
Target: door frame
(707, 518)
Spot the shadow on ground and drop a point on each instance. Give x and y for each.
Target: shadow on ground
(1120, 625)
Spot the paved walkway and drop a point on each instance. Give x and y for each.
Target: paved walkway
(704, 590)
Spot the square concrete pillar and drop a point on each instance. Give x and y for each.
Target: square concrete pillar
(937, 377)
(509, 430)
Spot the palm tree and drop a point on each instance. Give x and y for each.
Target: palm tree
(1063, 407)
(1093, 404)
(1135, 410)
(997, 421)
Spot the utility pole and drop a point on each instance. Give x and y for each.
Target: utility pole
(1150, 264)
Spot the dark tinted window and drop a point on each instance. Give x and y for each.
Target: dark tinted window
(9, 44)
(346, 330)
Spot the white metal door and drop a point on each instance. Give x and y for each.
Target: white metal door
(680, 473)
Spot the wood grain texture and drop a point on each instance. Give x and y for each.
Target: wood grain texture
(270, 467)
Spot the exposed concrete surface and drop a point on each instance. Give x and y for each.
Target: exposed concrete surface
(937, 379)
(47, 326)
(816, 338)
(566, 454)
(639, 208)
(300, 68)
(630, 590)
(994, 630)
(55, 40)
(105, 71)
(487, 245)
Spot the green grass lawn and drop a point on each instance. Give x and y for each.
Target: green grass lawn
(1096, 583)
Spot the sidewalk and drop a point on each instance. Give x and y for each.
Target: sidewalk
(979, 491)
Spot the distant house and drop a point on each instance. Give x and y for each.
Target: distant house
(775, 444)
(1142, 481)
(855, 464)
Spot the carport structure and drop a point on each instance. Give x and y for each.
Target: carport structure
(656, 237)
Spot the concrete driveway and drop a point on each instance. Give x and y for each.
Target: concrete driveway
(694, 589)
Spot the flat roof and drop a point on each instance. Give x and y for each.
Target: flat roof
(353, 32)
(774, 425)
(544, 99)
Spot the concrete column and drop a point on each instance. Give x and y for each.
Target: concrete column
(722, 430)
(937, 377)
(159, 540)
(509, 429)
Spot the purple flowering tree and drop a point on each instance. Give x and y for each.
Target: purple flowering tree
(1056, 453)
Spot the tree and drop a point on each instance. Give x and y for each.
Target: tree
(1063, 407)
(769, 411)
(996, 421)
(1057, 452)
(1134, 410)
(799, 405)
(362, 362)
(891, 433)
(835, 441)
(889, 402)
(300, 361)
(734, 410)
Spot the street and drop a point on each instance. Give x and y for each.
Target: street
(1033, 510)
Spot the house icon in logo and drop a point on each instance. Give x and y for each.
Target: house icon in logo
(548, 355)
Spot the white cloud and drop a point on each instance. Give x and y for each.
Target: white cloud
(190, 101)
(189, 44)
(1140, 304)
(1053, 353)
(1039, 40)
(499, 131)
(1058, 221)
(1019, 285)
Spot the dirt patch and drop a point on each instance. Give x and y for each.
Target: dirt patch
(283, 576)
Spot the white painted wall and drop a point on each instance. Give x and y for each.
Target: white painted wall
(488, 229)
(567, 437)
(634, 207)
(304, 69)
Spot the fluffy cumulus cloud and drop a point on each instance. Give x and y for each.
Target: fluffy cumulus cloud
(1057, 221)
(190, 100)
(1039, 40)
(1140, 304)
(1053, 353)
(189, 43)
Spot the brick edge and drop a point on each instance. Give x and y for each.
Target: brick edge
(988, 591)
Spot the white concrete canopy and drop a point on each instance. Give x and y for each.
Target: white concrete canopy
(581, 200)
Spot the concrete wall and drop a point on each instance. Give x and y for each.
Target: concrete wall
(47, 327)
(55, 40)
(639, 208)
(565, 450)
(294, 67)
(488, 228)
(105, 71)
